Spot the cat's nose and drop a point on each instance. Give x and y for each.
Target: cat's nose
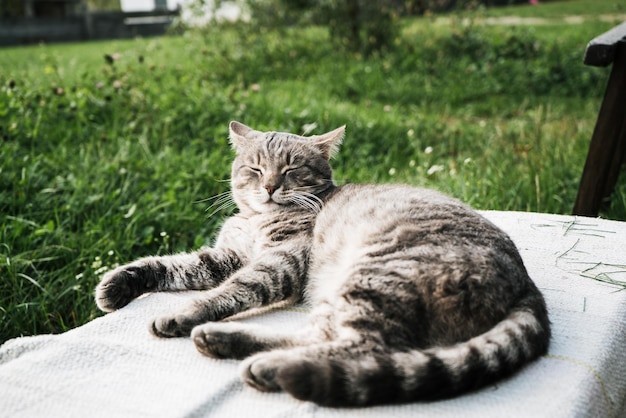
(270, 189)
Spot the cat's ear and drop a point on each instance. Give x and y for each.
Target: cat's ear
(329, 142)
(241, 135)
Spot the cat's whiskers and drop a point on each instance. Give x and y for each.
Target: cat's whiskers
(223, 206)
(217, 199)
(305, 199)
(301, 201)
(208, 199)
(221, 201)
(316, 201)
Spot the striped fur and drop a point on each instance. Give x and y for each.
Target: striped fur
(413, 295)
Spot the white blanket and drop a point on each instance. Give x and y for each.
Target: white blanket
(113, 367)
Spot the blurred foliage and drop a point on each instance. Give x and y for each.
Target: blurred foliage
(359, 26)
(11, 8)
(109, 5)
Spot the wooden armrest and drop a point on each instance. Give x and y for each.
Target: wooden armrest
(607, 150)
(601, 50)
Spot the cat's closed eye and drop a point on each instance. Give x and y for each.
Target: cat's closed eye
(290, 170)
(255, 170)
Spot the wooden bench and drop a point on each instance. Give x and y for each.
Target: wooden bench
(607, 150)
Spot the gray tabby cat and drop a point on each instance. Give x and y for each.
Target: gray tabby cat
(413, 295)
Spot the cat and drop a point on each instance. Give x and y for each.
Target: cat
(413, 295)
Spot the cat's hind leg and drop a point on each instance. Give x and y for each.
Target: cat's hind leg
(334, 373)
(311, 372)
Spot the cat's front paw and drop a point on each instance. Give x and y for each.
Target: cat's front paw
(120, 286)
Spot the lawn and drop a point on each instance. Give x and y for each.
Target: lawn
(111, 150)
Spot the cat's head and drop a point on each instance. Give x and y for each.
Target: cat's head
(275, 169)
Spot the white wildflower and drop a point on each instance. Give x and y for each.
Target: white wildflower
(435, 169)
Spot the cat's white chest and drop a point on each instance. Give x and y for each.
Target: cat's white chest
(236, 234)
(332, 262)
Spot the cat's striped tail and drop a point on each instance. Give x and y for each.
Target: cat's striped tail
(343, 376)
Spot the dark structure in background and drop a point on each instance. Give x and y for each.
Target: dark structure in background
(33, 21)
(607, 150)
(51, 8)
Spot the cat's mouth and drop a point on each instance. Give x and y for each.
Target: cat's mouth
(274, 198)
(272, 202)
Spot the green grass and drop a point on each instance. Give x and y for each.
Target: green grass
(104, 162)
(560, 8)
